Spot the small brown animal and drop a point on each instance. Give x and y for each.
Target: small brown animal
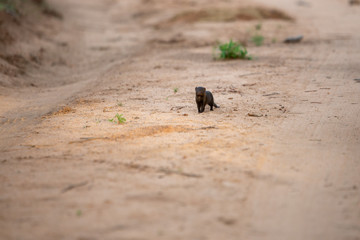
(204, 97)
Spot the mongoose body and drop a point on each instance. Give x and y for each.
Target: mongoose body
(204, 97)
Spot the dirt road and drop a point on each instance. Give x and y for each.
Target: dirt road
(280, 158)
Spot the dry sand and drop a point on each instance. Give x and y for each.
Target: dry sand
(289, 171)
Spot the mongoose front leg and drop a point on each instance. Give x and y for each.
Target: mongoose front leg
(199, 107)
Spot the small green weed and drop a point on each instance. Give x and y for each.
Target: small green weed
(257, 40)
(118, 118)
(16, 7)
(176, 90)
(120, 104)
(233, 50)
(8, 6)
(78, 213)
(258, 26)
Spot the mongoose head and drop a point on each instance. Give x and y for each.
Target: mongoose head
(200, 93)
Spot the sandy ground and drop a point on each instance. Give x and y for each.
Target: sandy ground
(292, 172)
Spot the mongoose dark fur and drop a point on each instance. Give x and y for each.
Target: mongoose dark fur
(204, 97)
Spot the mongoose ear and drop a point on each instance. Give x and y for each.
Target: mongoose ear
(204, 89)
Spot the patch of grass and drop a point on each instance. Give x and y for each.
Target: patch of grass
(120, 104)
(258, 40)
(233, 50)
(19, 7)
(258, 26)
(118, 118)
(176, 90)
(78, 213)
(8, 6)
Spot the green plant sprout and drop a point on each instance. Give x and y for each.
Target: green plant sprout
(176, 90)
(119, 118)
(8, 6)
(78, 213)
(233, 50)
(258, 26)
(258, 40)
